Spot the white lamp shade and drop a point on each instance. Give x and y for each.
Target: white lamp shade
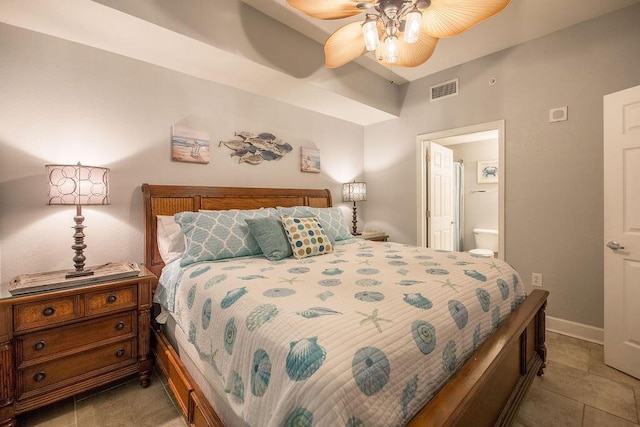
(77, 185)
(354, 192)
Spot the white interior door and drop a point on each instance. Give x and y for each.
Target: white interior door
(622, 230)
(440, 195)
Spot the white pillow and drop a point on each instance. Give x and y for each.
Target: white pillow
(171, 240)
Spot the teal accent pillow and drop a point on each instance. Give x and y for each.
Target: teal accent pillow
(306, 236)
(270, 236)
(332, 220)
(214, 235)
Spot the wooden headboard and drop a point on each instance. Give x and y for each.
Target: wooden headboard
(171, 199)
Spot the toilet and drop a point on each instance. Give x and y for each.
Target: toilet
(486, 242)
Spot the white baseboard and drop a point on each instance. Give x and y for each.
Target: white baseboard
(576, 330)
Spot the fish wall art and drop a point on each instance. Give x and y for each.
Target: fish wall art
(253, 149)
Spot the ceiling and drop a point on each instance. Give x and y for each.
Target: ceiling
(521, 21)
(130, 33)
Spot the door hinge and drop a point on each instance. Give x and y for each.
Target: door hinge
(428, 214)
(428, 157)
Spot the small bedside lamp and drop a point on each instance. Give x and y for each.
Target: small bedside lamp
(78, 185)
(354, 192)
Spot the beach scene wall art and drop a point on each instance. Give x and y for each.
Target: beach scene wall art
(189, 145)
(309, 160)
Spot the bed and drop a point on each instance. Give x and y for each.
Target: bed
(484, 390)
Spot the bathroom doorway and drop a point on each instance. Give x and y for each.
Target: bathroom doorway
(481, 198)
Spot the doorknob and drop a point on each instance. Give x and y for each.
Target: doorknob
(614, 245)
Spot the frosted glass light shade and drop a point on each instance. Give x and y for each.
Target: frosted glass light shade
(412, 26)
(391, 49)
(370, 33)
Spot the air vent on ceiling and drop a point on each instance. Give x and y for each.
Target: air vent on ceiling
(444, 90)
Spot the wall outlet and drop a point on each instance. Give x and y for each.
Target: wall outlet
(536, 280)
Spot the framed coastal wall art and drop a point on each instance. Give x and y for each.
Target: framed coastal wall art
(189, 145)
(309, 160)
(488, 172)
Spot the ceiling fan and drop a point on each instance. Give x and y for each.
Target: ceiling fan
(401, 32)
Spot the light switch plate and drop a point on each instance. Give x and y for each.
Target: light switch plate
(536, 280)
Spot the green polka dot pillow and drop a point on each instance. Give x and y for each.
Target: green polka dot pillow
(332, 220)
(306, 236)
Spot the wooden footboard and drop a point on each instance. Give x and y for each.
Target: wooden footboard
(488, 388)
(485, 391)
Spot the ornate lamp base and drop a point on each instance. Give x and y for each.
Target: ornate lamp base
(355, 220)
(78, 247)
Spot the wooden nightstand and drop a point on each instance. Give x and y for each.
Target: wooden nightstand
(375, 237)
(55, 344)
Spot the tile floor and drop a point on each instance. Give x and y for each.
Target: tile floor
(578, 389)
(123, 405)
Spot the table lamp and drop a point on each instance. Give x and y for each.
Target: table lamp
(78, 185)
(354, 192)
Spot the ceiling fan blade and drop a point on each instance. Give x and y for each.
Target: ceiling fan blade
(446, 18)
(328, 9)
(410, 54)
(345, 45)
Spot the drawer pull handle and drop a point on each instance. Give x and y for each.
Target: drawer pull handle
(48, 311)
(39, 376)
(38, 346)
(120, 326)
(120, 352)
(111, 299)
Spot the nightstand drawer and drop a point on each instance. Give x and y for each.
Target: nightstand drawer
(115, 299)
(46, 375)
(37, 314)
(42, 344)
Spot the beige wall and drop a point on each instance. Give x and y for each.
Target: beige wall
(63, 102)
(554, 190)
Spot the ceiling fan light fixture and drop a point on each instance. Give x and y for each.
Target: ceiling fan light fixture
(370, 33)
(413, 21)
(420, 22)
(391, 49)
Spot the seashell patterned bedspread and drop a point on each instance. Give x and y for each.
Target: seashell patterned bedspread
(364, 336)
